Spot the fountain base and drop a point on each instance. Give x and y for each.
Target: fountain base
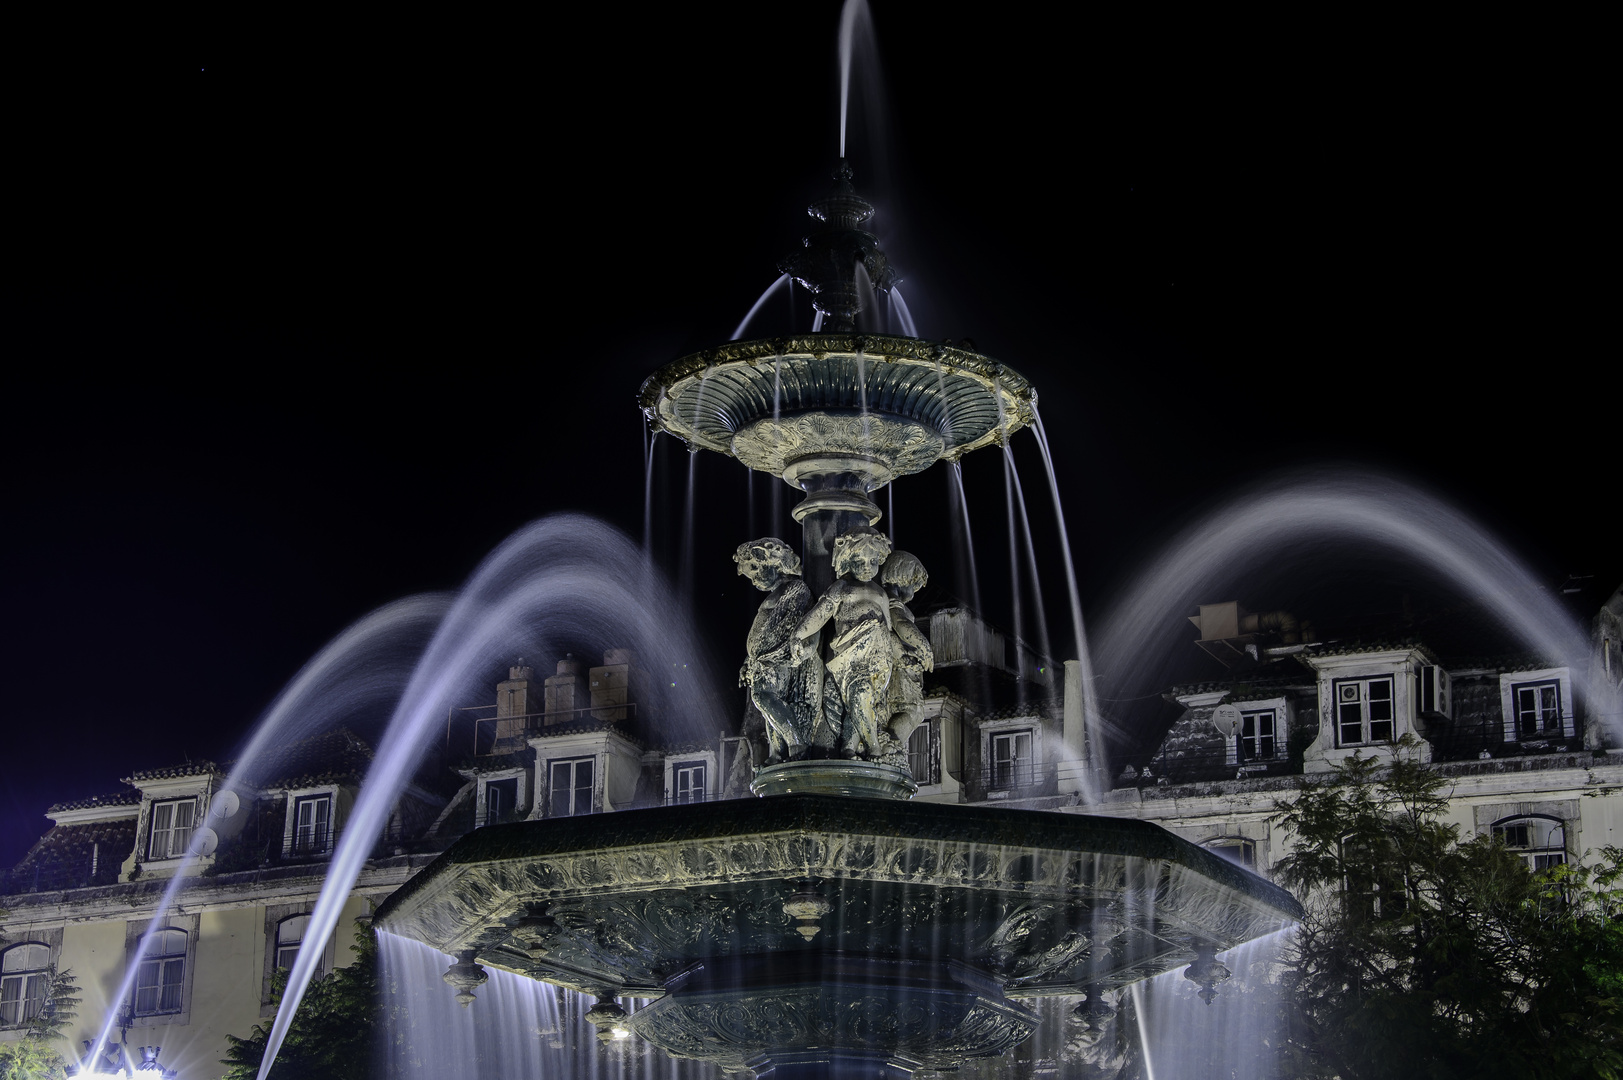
(835, 776)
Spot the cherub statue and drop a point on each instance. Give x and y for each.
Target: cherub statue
(769, 671)
(902, 576)
(860, 658)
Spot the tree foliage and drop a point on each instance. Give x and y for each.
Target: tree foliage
(332, 1036)
(1428, 955)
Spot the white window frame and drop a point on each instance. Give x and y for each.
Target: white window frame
(160, 979)
(674, 766)
(1363, 701)
(1279, 707)
(275, 916)
(1512, 683)
(176, 838)
(692, 781)
(1007, 732)
(316, 836)
(180, 1013)
(924, 754)
(1244, 845)
(290, 828)
(482, 809)
(574, 764)
(287, 951)
(1546, 840)
(23, 989)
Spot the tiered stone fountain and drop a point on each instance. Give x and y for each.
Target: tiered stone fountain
(832, 928)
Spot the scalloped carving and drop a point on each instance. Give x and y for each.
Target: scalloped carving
(902, 446)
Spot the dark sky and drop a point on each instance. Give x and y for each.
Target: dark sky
(288, 339)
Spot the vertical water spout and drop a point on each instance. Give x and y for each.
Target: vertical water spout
(1091, 720)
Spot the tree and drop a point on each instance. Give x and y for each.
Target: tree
(1430, 956)
(333, 1035)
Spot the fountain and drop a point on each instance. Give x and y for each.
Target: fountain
(832, 927)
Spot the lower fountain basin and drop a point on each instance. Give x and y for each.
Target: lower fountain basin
(834, 908)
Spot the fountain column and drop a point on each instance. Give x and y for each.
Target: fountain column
(837, 488)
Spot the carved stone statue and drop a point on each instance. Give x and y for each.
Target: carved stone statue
(860, 656)
(903, 575)
(783, 691)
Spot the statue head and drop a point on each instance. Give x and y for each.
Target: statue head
(766, 560)
(903, 575)
(860, 553)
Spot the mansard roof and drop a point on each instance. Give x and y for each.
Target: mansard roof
(335, 757)
(117, 798)
(73, 856)
(175, 772)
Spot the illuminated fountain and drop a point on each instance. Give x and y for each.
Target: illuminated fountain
(833, 928)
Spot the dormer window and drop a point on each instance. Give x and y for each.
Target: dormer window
(1012, 760)
(312, 825)
(1258, 735)
(1538, 710)
(501, 799)
(920, 760)
(569, 787)
(688, 781)
(1364, 711)
(1537, 705)
(172, 824)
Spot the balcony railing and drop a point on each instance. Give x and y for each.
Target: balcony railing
(1016, 780)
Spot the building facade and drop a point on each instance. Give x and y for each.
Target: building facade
(1524, 742)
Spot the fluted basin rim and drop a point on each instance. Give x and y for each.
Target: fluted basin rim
(1003, 398)
(630, 829)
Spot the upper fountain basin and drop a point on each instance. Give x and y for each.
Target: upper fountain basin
(898, 403)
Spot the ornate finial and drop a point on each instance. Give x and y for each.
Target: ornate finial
(1094, 1012)
(464, 975)
(807, 908)
(609, 1019)
(1207, 972)
(826, 266)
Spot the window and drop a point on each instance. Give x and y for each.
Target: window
(1541, 841)
(688, 782)
(24, 976)
(289, 936)
(172, 824)
(160, 982)
(1236, 850)
(1373, 891)
(1257, 741)
(1364, 711)
(570, 787)
(501, 799)
(1011, 759)
(312, 825)
(919, 759)
(1538, 709)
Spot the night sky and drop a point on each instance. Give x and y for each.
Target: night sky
(286, 340)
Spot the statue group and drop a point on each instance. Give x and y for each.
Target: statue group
(853, 689)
